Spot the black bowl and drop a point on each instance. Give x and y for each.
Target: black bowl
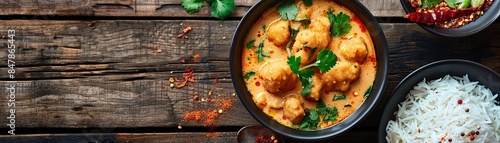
(481, 23)
(381, 50)
(454, 67)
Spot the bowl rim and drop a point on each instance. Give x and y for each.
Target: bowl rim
(436, 64)
(368, 105)
(487, 19)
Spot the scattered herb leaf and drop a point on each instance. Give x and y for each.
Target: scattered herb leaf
(287, 10)
(339, 23)
(308, 3)
(250, 44)
(222, 8)
(368, 91)
(261, 53)
(294, 63)
(313, 116)
(339, 97)
(264, 27)
(248, 75)
(192, 6)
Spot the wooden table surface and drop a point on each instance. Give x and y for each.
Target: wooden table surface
(92, 71)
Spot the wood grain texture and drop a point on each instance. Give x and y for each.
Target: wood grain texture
(45, 9)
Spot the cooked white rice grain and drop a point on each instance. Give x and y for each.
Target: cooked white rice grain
(431, 113)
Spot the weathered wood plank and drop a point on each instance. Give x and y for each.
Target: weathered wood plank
(147, 8)
(219, 137)
(78, 74)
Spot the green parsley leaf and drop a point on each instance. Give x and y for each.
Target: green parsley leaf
(321, 104)
(250, 44)
(429, 3)
(306, 80)
(222, 8)
(192, 6)
(368, 91)
(339, 23)
(331, 114)
(261, 53)
(308, 3)
(248, 75)
(294, 63)
(287, 10)
(326, 60)
(339, 97)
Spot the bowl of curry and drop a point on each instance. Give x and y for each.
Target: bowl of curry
(309, 69)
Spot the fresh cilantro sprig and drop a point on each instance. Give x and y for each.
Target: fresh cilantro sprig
(339, 23)
(220, 8)
(287, 10)
(325, 61)
(261, 53)
(314, 117)
(293, 33)
(368, 91)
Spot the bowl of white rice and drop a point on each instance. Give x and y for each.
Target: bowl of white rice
(448, 101)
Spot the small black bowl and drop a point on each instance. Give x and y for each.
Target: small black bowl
(472, 28)
(369, 104)
(454, 67)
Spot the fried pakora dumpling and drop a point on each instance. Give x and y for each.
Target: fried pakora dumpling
(293, 109)
(354, 49)
(340, 77)
(276, 76)
(278, 33)
(316, 36)
(317, 84)
(304, 11)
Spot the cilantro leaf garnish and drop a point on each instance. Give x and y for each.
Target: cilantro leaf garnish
(192, 6)
(330, 114)
(250, 43)
(261, 53)
(308, 3)
(294, 63)
(293, 34)
(314, 117)
(339, 23)
(368, 91)
(325, 61)
(287, 10)
(339, 97)
(248, 75)
(222, 8)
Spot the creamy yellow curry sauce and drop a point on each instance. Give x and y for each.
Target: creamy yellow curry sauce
(277, 90)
